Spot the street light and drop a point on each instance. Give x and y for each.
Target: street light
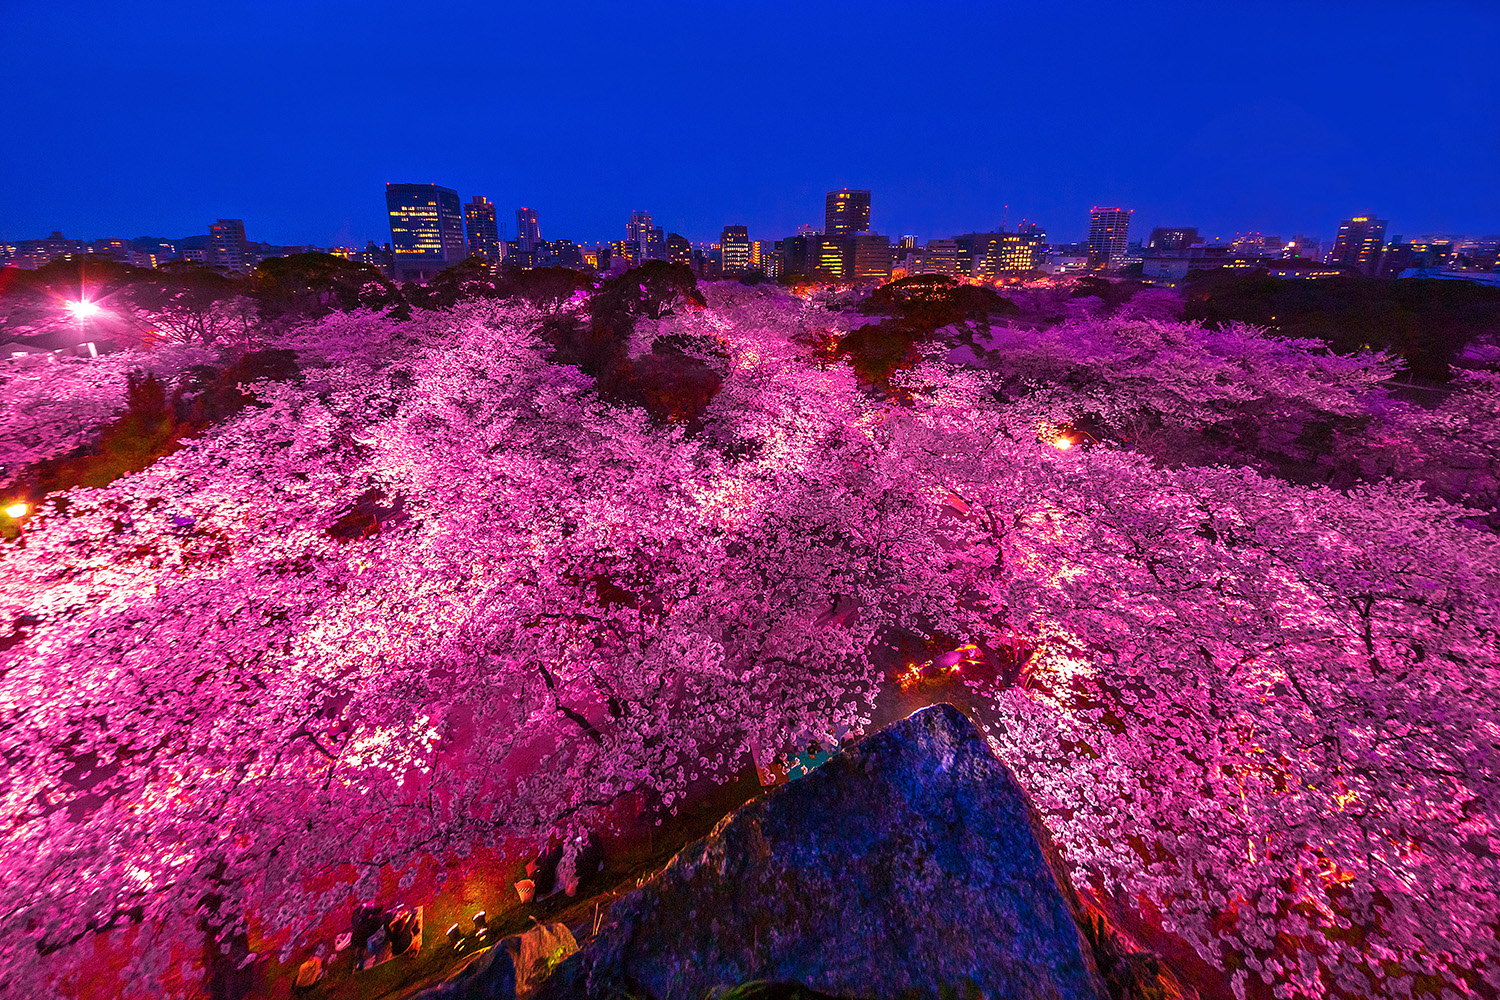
(83, 309)
(16, 510)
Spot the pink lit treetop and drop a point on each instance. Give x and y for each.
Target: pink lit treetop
(438, 593)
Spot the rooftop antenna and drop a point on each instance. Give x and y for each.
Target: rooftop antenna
(1005, 220)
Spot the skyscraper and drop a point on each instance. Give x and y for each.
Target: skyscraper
(868, 258)
(227, 246)
(827, 253)
(734, 243)
(796, 254)
(1359, 243)
(846, 212)
(765, 257)
(940, 257)
(528, 230)
(638, 229)
(1108, 234)
(1175, 239)
(679, 250)
(484, 234)
(427, 229)
(993, 254)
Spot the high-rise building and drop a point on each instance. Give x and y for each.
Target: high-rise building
(1175, 239)
(427, 229)
(940, 257)
(484, 233)
(1359, 243)
(868, 258)
(638, 229)
(227, 246)
(795, 254)
(623, 255)
(378, 257)
(679, 250)
(765, 257)
(1300, 247)
(1109, 230)
(846, 212)
(910, 243)
(734, 245)
(528, 231)
(1017, 253)
(827, 254)
(648, 237)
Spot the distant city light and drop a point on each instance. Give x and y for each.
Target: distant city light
(83, 308)
(16, 510)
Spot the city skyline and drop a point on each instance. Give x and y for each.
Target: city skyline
(1248, 130)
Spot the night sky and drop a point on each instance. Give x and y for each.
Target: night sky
(1284, 117)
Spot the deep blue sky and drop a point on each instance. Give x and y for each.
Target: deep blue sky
(127, 119)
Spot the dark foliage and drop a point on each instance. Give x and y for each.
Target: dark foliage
(547, 287)
(1426, 322)
(879, 350)
(365, 517)
(310, 285)
(669, 383)
(672, 386)
(923, 303)
(917, 307)
(655, 289)
(155, 423)
(1113, 293)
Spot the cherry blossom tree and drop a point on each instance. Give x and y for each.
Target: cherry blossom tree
(439, 593)
(50, 406)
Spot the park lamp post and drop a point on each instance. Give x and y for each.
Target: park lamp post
(15, 514)
(84, 310)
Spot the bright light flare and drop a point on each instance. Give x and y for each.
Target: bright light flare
(1062, 443)
(16, 510)
(84, 309)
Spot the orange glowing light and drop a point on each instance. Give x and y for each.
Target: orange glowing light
(1063, 443)
(16, 510)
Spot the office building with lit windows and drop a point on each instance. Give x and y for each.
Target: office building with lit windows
(828, 254)
(1173, 239)
(528, 230)
(427, 230)
(227, 247)
(1018, 253)
(795, 253)
(867, 258)
(940, 257)
(1109, 230)
(679, 250)
(650, 238)
(765, 257)
(484, 233)
(734, 247)
(1359, 243)
(846, 212)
